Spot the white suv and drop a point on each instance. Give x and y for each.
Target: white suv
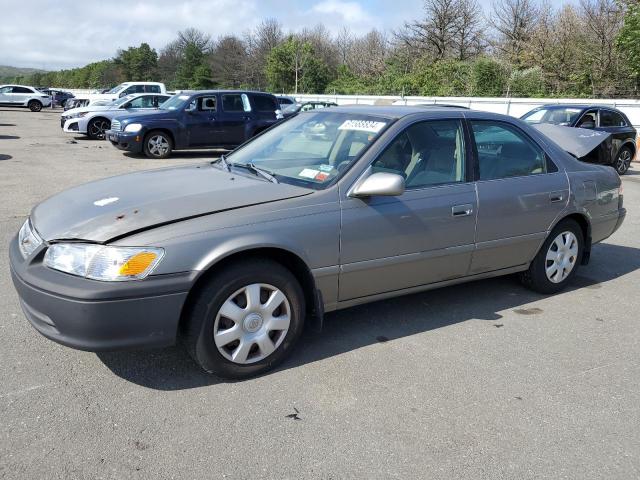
(126, 88)
(22, 96)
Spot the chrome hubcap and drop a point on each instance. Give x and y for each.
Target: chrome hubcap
(561, 257)
(252, 323)
(158, 145)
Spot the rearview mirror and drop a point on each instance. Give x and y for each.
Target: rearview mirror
(380, 184)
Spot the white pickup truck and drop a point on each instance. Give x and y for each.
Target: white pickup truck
(126, 88)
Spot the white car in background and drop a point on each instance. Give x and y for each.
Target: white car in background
(23, 96)
(126, 88)
(94, 120)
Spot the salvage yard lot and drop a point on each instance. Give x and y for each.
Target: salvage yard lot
(482, 380)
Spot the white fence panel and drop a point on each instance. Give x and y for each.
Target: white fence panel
(508, 106)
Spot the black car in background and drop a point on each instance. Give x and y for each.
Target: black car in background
(59, 97)
(196, 119)
(294, 108)
(622, 147)
(285, 100)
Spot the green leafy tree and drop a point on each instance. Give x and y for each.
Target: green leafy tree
(489, 78)
(138, 63)
(527, 83)
(628, 40)
(193, 71)
(293, 67)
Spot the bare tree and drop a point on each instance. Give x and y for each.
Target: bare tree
(434, 34)
(228, 62)
(514, 22)
(368, 54)
(603, 20)
(344, 42)
(324, 48)
(195, 37)
(259, 42)
(468, 39)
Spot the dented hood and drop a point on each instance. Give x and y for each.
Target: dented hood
(114, 207)
(577, 141)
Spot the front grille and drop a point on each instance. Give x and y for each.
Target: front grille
(115, 125)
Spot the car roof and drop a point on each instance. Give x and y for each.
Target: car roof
(392, 111)
(193, 92)
(580, 106)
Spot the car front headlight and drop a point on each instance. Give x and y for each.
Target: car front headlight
(100, 262)
(133, 127)
(28, 239)
(76, 115)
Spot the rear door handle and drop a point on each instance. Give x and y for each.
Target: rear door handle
(462, 210)
(556, 197)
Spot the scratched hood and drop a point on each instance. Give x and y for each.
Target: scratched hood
(103, 210)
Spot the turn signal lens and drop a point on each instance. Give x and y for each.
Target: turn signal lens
(137, 264)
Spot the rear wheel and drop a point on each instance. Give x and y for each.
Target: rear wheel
(245, 320)
(623, 160)
(558, 259)
(34, 105)
(97, 128)
(157, 145)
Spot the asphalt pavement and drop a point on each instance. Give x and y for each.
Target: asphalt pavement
(485, 380)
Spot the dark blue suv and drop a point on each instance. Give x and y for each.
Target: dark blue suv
(197, 119)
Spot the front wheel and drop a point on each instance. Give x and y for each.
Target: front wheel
(97, 128)
(34, 106)
(157, 145)
(245, 320)
(623, 160)
(558, 259)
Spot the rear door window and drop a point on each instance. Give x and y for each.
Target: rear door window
(235, 102)
(21, 90)
(611, 119)
(152, 88)
(504, 151)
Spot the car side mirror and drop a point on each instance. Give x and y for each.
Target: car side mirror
(588, 125)
(381, 184)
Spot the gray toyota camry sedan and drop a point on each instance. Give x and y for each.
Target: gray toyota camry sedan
(329, 209)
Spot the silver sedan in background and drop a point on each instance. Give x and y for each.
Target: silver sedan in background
(332, 208)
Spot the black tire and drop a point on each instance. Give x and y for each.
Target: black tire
(536, 278)
(157, 153)
(199, 322)
(34, 105)
(623, 160)
(97, 127)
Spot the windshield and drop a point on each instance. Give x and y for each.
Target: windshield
(174, 102)
(118, 88)
(122, 100)
(556, 116)
(313, 149)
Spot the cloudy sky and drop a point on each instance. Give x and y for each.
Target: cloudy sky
(63, 33)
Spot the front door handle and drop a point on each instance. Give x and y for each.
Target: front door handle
(462, 210)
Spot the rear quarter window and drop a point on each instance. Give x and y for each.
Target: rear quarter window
(262, 103)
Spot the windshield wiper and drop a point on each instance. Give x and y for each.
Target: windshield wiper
(258, 171)
(223, 161)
